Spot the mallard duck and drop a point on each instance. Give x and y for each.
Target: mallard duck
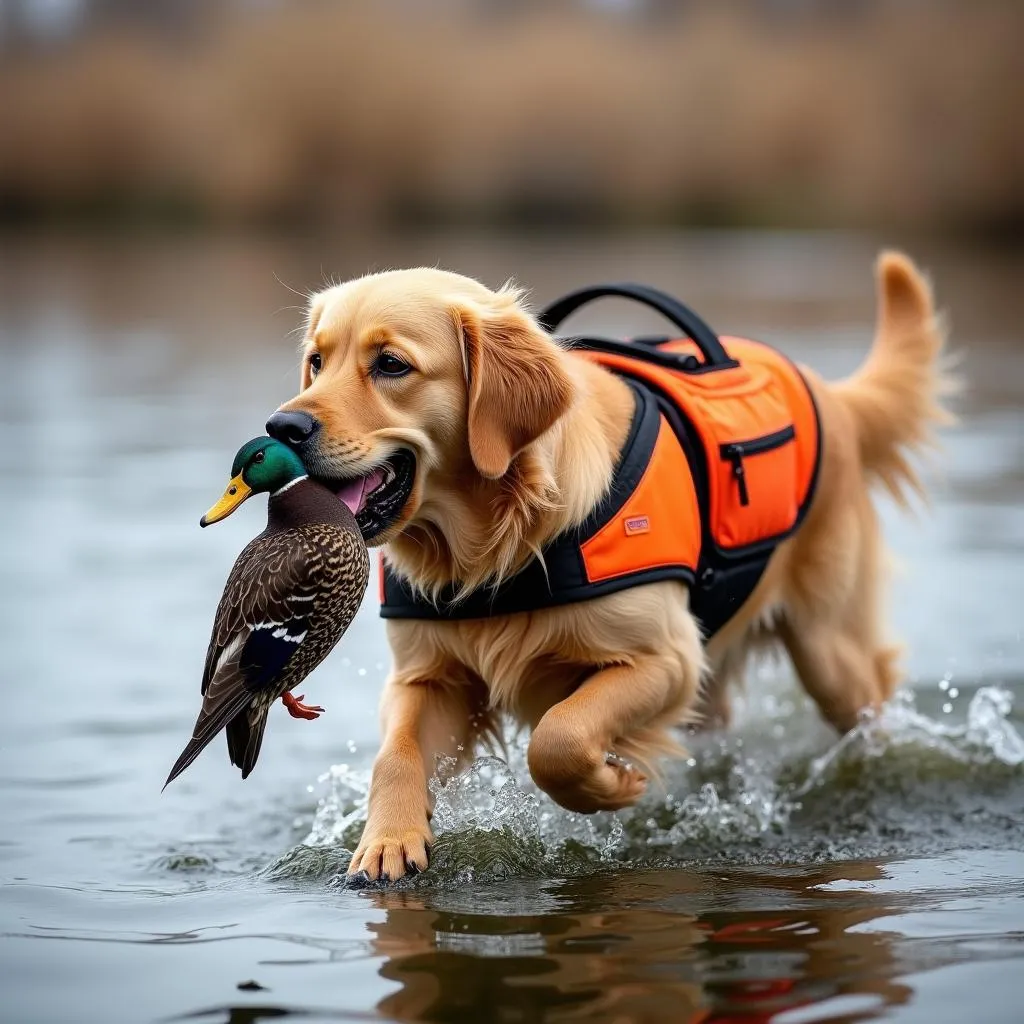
(290, 596)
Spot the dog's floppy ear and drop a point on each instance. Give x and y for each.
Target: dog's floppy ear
(518, 385)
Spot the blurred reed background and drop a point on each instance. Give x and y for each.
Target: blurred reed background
(893, 114)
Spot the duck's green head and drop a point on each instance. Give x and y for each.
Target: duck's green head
(261, 464)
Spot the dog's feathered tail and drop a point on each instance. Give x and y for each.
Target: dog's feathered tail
(895, 397)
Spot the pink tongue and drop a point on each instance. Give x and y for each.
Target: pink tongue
(354, 492)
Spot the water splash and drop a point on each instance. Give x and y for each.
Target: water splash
(341, 813)
(777, 787)
(492, 823)
(921, 744)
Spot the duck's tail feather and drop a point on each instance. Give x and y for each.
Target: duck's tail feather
(245, 737)
(209, 723)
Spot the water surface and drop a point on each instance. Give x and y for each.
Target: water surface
(782, 874)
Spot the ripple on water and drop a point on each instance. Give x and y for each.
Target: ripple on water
(776, 789)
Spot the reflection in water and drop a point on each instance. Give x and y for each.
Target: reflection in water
(621, 947)
(238, 1014)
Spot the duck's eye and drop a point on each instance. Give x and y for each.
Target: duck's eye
(315, 364)
(388, 365)
(259, 457)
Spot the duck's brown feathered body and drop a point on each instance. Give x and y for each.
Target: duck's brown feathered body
(292, 593)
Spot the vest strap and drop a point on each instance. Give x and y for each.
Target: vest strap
(692, 326)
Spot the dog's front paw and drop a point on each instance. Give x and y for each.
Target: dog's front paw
(391, 853)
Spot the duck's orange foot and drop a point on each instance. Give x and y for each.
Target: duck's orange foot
(299, 710)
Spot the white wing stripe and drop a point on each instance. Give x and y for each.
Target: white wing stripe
(282, 634)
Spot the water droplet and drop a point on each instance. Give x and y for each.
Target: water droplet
(943, 684)
(351, 746)
(953, 693)
(361, 672)
(947, 708)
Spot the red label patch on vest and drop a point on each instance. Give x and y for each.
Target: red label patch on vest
(637, 524)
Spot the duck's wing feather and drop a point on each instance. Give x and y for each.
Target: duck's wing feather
(267, 600)
(262, 620)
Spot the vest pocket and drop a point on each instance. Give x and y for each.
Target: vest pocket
(736, 451)
(753, 497)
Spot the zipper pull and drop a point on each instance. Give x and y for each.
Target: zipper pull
(736, 457)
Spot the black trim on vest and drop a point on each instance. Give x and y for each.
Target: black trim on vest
(561, 578)
(649, 352)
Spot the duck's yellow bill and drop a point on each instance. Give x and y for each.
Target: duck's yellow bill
(238, 490)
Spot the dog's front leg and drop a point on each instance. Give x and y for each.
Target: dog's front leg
(626, 709)
(420, 721)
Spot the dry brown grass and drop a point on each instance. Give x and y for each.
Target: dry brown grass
(908, 115)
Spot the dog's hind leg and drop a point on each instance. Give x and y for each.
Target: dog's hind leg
(874, 424)
(842, 672)
(714, 709)
(836, 644)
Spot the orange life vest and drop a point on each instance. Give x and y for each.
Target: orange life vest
(718, 468)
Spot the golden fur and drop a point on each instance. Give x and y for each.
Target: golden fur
(515, 440)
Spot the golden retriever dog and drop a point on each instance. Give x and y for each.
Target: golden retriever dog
(466, 438)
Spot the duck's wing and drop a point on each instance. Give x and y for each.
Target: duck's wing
(261, 622)
(263, 614)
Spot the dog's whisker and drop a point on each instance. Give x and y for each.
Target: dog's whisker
(305, 296)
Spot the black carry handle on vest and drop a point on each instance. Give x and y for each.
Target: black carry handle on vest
(715, 356)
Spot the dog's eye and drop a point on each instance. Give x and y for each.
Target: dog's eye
(315, 364)
(388, 365)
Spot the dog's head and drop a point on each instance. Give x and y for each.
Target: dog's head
(417, 375)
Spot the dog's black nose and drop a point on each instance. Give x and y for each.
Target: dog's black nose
(292, 427)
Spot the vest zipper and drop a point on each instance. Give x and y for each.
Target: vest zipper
(735, 452)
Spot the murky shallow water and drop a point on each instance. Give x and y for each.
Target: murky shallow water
(782, 875)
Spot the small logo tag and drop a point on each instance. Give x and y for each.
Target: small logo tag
(637, 524)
